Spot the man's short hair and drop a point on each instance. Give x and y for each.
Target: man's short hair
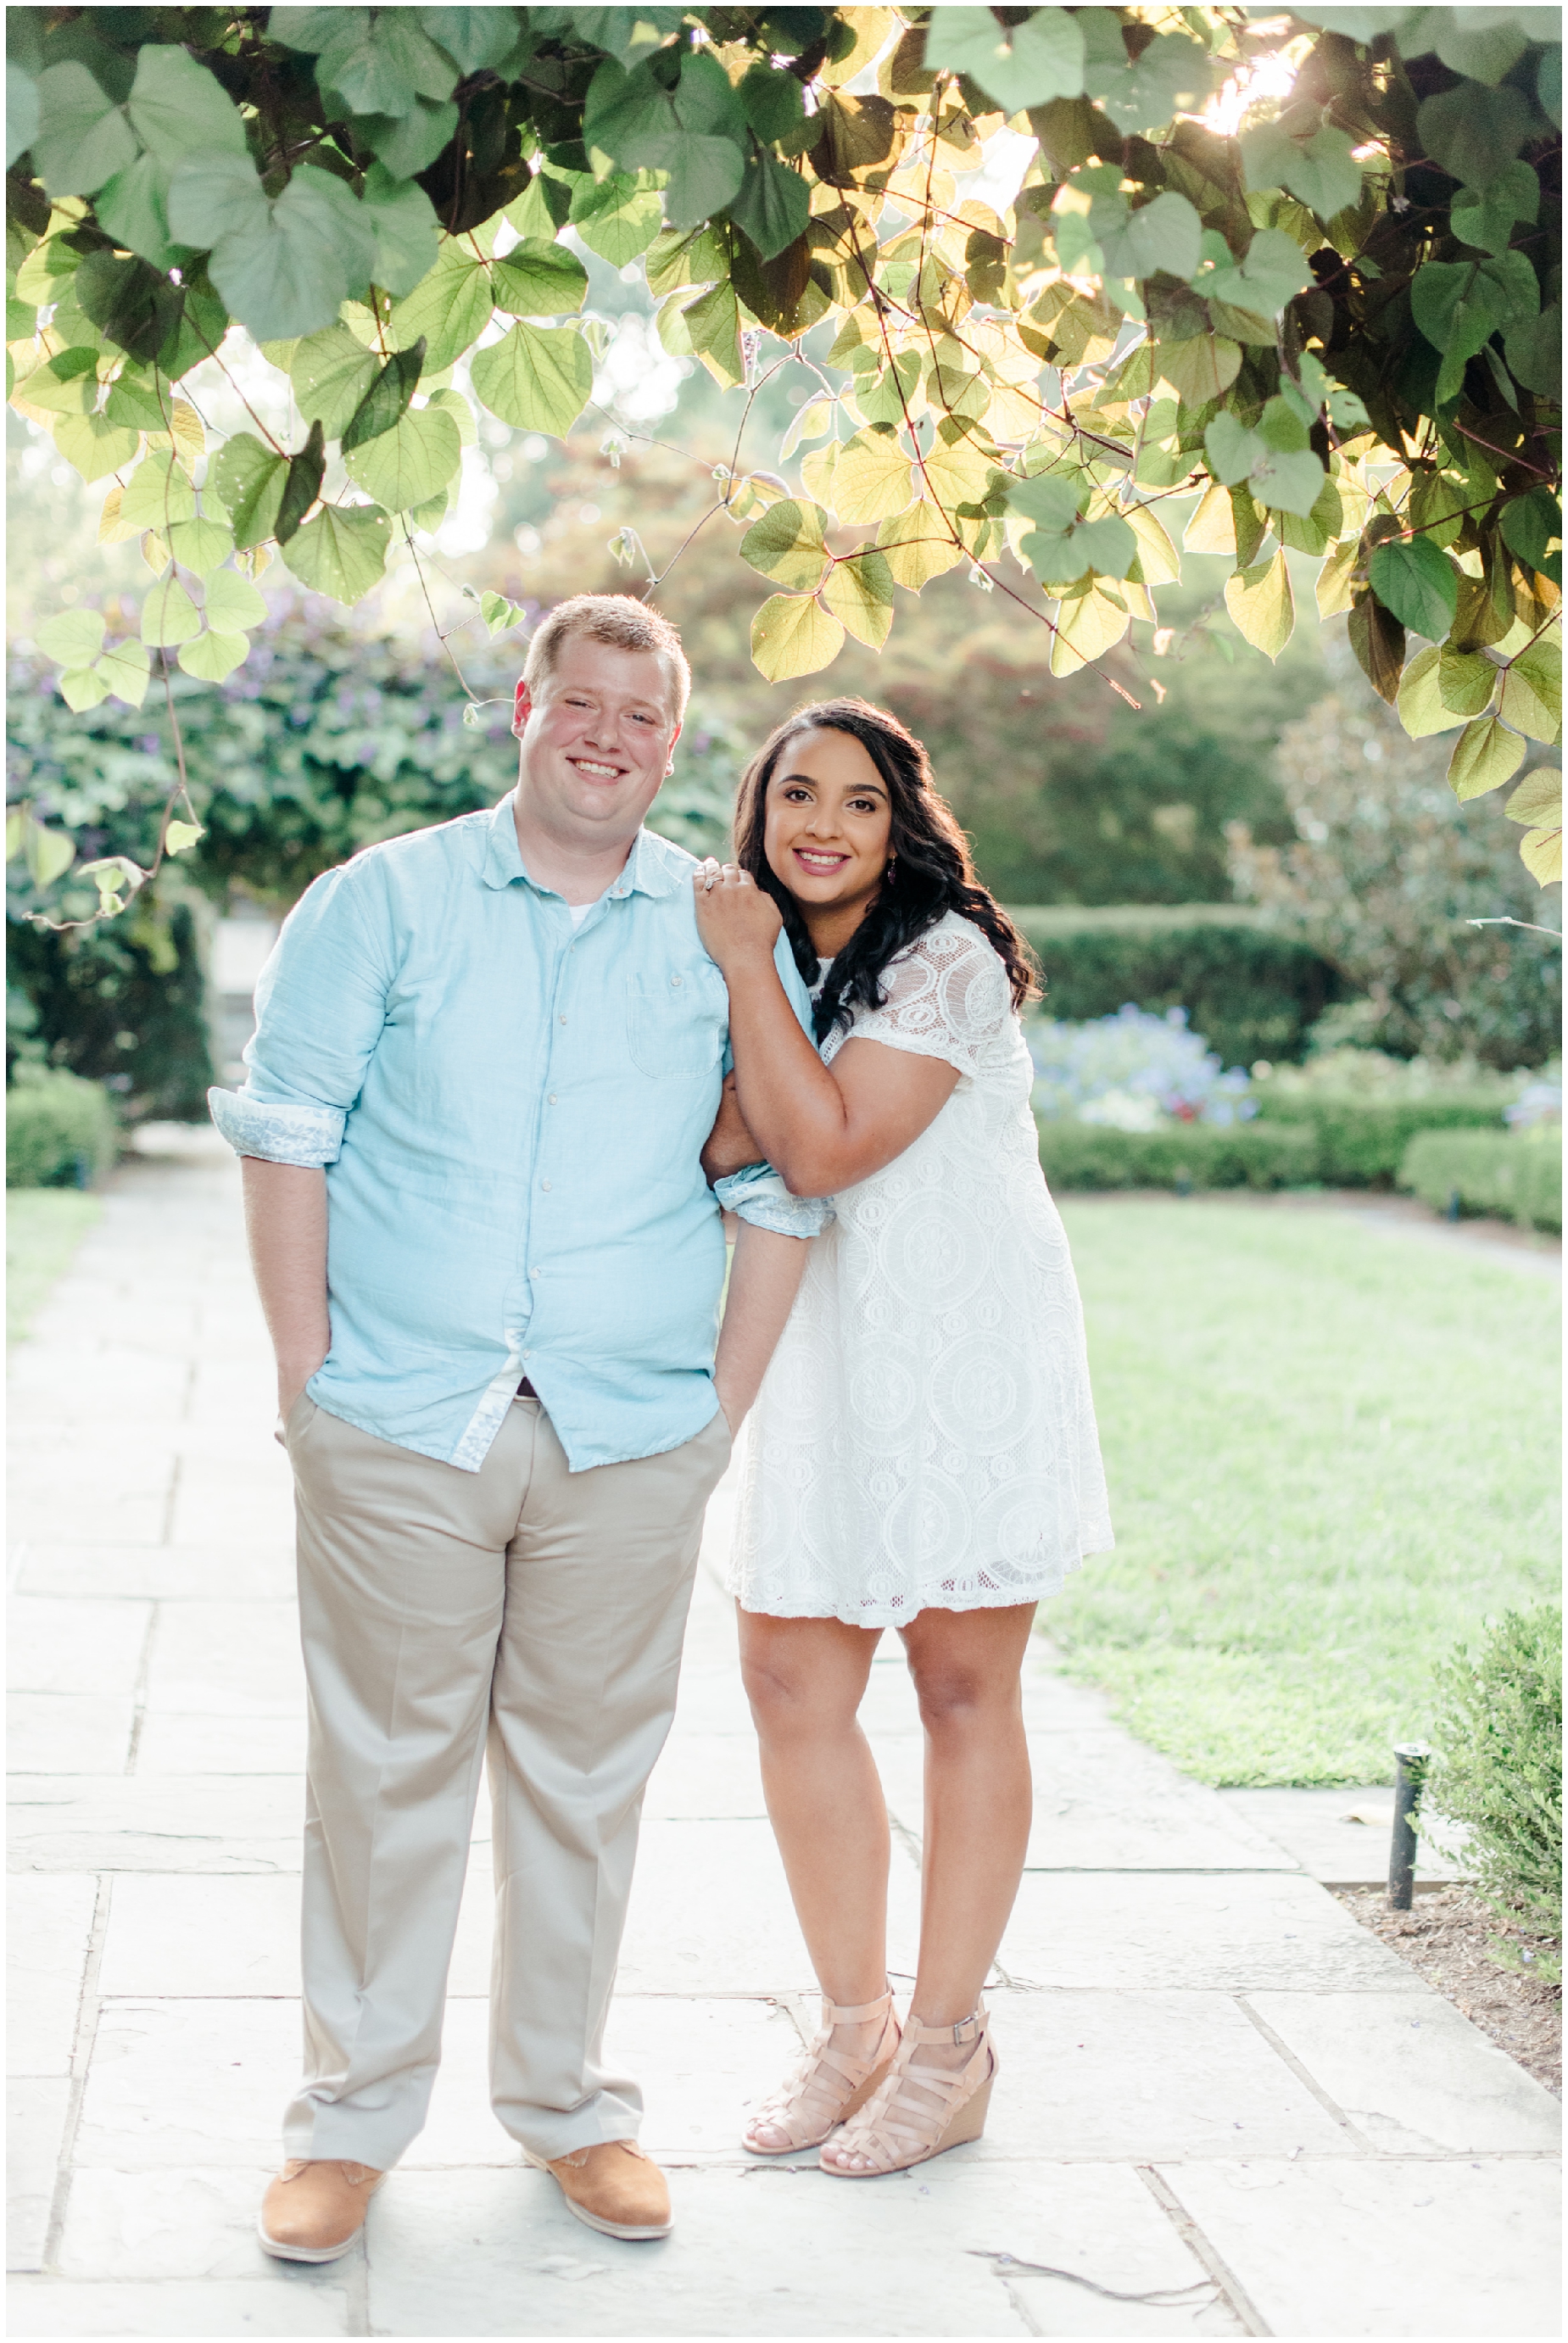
(617, 620)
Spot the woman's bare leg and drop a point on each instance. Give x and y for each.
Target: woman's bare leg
(805, 1679)
(979, 1798)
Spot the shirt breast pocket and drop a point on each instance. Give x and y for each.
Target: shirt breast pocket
(676, 1022)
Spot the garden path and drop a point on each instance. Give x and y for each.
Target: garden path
(1224, 2108)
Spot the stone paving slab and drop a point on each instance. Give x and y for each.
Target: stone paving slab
(67, 1733)
(1110, 2075)
(1412, 2074)
(165, 2222)
(61, 1645)
(164, 1823)
(234, 1660)
(201, 1937)
(1240, 1933)
(36, 2107)
(312, 2303)
(210, 1744)
(48, 1923)
(1342, 1836)
(1422, 2249)
(770, 2252)
(163, 1573)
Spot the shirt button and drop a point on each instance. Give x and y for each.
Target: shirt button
(546, 1186)
(527, 1355)
(675, 979)
(563, 1021)
(536, 1272)
(552, 1099)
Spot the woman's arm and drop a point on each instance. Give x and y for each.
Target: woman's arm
(821, 1127)
(763, 1282)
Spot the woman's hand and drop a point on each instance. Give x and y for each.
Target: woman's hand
(729, 1146)
(734, 917)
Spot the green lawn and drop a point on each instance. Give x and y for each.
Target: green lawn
(44, 1226)
(1331, 1453)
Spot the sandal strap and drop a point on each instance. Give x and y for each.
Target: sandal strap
(859, 2014)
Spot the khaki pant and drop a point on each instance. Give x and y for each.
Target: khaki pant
(540, 1610)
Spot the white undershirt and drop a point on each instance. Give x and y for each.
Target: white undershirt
(578, 912)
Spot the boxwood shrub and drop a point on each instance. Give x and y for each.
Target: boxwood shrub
(1362, 1142)
(1498, 1745)
(1517, 1175)
(60, 1130)
(1250, 993)
(1180, 1155)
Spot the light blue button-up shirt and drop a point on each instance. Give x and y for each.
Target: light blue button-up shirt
(510, 1111)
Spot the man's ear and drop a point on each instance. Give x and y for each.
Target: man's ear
(522, 705)
(670, 759)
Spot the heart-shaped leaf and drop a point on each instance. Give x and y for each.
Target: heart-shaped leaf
(210, 657)
(793, 635)
(1029, 63)
(231, 603)
(250, 480)
(72, 638)
(1538, 800)
(1261, 602)
(537, 279)
(342, 552)
(788, 544)
(409, 464)
(537, 378)
(1417, 581)
(449, 309)
(1485, 755)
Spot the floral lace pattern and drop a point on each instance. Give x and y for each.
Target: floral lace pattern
(925, 1436)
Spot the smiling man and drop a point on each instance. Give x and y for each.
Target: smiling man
(488, 1059)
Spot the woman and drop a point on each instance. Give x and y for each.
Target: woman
(923, 1453)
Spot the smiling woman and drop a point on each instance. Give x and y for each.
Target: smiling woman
(924, 1454)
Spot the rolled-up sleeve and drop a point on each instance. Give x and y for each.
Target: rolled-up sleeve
(758, 1193)
(320, 1006)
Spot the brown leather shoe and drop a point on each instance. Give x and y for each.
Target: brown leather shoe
(614, 2188)
(315, 2209)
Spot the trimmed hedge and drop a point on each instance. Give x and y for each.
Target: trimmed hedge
(1498, 1771)
(1515, 1174)
(1250, 993)
(1362, 1142)
(1181, 1155)
(60, 1132)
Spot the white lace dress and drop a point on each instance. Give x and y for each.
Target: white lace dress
(925, 1437)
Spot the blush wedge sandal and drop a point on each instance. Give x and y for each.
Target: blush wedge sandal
(828, 2084)
(919, 2110)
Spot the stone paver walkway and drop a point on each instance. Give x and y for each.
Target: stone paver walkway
(1223, 2108)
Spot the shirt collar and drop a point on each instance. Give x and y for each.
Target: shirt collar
(646, 870)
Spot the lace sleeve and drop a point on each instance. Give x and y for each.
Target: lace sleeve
(948, 997)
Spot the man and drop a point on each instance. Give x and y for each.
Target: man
(487, 1058)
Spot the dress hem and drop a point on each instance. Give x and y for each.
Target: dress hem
(884, 1615)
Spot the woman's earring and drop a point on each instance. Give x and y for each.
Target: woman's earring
(890, 872)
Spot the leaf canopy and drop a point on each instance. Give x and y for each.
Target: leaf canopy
(1335, 336)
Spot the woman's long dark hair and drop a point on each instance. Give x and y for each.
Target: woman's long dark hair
(932, 872)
